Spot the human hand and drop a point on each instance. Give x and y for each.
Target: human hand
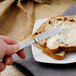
(7, 48)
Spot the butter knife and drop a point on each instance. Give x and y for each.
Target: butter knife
(45, 35)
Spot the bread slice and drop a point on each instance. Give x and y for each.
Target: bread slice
(57, 46)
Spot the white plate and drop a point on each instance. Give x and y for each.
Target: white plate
(41, 57)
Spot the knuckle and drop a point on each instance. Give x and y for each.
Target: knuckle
(10, 50)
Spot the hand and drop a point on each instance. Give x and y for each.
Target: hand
(8, 47)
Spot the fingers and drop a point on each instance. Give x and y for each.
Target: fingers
(21, 54)
(2, 66)
(7, 40)
(7, 48)
(8, 60)
(12, 49)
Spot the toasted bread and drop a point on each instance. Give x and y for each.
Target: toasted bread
(57, 46)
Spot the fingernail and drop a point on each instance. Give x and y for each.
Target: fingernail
(16, 47)
(8, 62)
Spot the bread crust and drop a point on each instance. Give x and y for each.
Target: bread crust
(54, 55)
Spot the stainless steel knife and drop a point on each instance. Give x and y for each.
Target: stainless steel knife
(43, 36)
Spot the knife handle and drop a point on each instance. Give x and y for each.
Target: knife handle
(26, 44)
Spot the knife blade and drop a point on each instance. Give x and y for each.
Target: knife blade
(43, 36)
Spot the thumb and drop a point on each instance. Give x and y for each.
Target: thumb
(12, 49)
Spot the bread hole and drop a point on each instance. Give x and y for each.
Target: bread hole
(59, 19)
(39, 31)
(65, 19)
(36, 33)
(72, 20)
(44, 45)
(60, 50)
(49, 22)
